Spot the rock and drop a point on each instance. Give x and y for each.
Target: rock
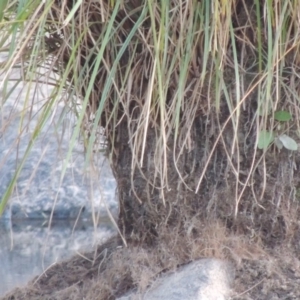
(205, 279)
(83, 190)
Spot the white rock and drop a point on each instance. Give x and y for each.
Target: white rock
(205, 279)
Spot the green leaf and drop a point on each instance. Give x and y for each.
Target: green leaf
(3, 4)
(282, 116)
(278, 143)
(288, 142)
(72, 12)
(265, 139)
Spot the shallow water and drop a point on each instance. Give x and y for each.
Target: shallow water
(29, 248)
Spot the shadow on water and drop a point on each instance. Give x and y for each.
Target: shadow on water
(27, 248)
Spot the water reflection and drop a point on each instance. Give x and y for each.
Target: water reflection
(28, 248)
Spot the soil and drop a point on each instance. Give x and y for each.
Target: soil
(276, 277)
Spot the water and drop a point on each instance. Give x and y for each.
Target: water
(29, 248)
(27, 245)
